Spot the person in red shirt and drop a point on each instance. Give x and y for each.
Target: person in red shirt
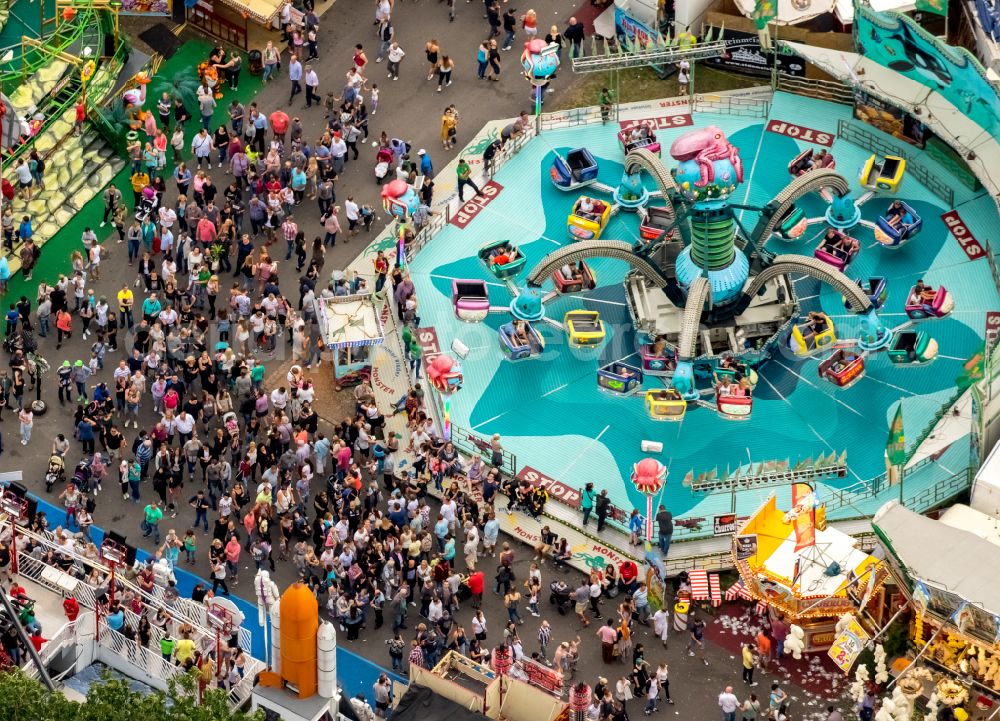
(476, 582)
(81, 117)
(37, 640)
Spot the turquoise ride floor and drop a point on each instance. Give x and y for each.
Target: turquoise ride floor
(550, 411)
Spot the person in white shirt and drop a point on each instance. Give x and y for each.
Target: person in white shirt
(279, 398)
(396, 54)
(353, 214)
(727, 702)
(201, 146)
(312, 85)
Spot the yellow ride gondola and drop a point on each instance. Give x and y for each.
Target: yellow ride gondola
(584, 327)
(816, 333)
(665, 404)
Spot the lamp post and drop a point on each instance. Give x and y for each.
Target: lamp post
(540, 60)
(113, 554)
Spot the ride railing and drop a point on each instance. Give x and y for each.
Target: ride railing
(157, 669)
(87, 596)
(991, 258)
(442, 217)
(473, 444)
(739, 105)
(573, 117)
(832, 91)
(185, 610)
(933, 496)
(939, 414)
(873, 142)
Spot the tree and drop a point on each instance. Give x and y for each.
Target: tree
(183, 84)
(112, 699)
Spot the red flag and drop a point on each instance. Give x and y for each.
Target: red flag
(804, 507)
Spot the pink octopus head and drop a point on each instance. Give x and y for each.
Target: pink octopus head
(648, 475)
(705, 146)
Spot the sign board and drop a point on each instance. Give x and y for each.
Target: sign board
(972, 247)
(800, 132)
(634, 29)
(428, 340)
(567, 495)
(663, 122)
(544, 677)
(588, 554)
(992, 327)
(848, 645)
(744, 55)
(472, 207)
(724, 525)
(746, 546)
(897, 42)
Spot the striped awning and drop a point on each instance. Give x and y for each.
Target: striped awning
(738, 590)
(699, 584)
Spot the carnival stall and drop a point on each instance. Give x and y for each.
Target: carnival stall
(944, 570)
(803, 570)
(349, 326)
(515, 690)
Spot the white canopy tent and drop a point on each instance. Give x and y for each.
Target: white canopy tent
(980, 149)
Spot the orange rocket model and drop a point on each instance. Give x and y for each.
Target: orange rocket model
(299, 625)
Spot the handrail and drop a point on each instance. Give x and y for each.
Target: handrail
(85, 594)
(443, 216)
(749, 107)
(814, 88)
(35, 58)
(863, 138)
(472, 444)
(189, 611)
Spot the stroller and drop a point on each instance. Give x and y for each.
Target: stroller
(147, 205)
(23, 340)
(231, 424)
(56, 472)
(560, 595)
(81, 476)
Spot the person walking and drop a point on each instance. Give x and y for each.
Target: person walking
(729, 704)
(587, 502)
(749, 663)
(444, 71)
(493, 59)
(652, 694)
(271, 59)
(683, 77)
(465, 178)
(609, 637)
(27, 420)
(751, 709)
(312, 87)
(696, 637)
(510, 28)
(294, 76)
(575, 33)
(151, 521)
(112, 197)
(395, 55)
